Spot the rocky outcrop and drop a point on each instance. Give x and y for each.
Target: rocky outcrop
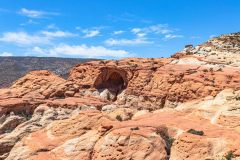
(218, 50)
(156, 83)
(92, 135)
(184, 107)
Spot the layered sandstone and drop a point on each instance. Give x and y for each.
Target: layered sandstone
(184, 107)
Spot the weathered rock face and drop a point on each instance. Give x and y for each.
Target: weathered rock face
(92, 135)
(184, 107)
(155, 83)
(221, 50)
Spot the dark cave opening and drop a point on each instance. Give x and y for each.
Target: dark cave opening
(114, 83)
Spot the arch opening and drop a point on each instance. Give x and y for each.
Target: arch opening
(114, 83)
(112, 79)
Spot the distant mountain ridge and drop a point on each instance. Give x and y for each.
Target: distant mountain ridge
(12, 68)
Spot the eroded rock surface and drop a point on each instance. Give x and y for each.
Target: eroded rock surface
(184, 107)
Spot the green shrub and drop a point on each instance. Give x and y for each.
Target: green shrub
(205, 70)
(119, 118)
(230, 155)
(193, 131)
(170, 141)
(102, 62)
(135, 128)
(238, 98)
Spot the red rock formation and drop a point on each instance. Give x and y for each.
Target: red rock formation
(157, 79)
(135, 108)
(92, 135)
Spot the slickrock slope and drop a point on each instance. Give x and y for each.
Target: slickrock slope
(184, 107)
(155, 83)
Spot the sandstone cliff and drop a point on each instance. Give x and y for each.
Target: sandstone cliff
(184, 107)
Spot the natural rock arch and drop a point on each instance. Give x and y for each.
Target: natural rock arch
(113, 79)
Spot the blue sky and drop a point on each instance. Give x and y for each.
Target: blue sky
(111, 29)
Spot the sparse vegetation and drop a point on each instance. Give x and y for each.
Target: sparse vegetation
(102, 62)
(135, 128)
(229, 156)
(119, 118)
(238, 98)
(26, 115)
(189, 53)
(196, 132)
(229, 77)
(206, 79)
(154, 69)
(170, 141)
(134, 65)
(205, 70)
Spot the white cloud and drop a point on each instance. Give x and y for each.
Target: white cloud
(38, 50)
(29, 22)
(172, 36)
(42, 37)
(160, 29)
(36, 13)
(58, 34)
(23, 38)
(125, 42)
(141, 35)
(136, 30)
(212, 36)
(118, 32)
(6, 54)
(153, 29)
(195, 37)
(52, 26)
(82, 51)
(91, 33)
(78, 28)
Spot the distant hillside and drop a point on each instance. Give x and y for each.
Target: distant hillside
(11, 68)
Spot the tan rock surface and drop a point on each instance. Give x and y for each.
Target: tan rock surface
(134, 108)
(92, 135)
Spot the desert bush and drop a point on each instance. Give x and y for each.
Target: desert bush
(135, 128)
(196, 132)
(205, 70)
(119, 118)
(229, 77)
(229, 156)
(206, 79)
(154, 69)
(238, 98)
(102, 62)
(170, 141)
